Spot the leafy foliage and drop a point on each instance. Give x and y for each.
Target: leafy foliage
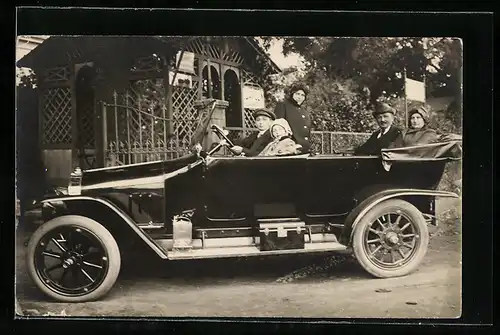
(25, 78)
(375, 65)
(337, 105)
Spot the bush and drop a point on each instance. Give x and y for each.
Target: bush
(338, 105)
(452, 178)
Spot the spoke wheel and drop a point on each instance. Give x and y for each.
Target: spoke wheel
(391, 239)
(73, 259)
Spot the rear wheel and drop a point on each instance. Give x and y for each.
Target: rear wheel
(391, 239)
(73, 259)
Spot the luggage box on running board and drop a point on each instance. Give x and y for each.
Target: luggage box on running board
(281, 234)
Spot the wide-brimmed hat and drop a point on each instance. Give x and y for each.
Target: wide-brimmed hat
(382, 108)
(264, 112)
(422, 110)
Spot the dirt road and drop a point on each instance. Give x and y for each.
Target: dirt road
(248, 288)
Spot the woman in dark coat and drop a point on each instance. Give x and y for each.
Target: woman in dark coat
(300, 121)
(418, 131)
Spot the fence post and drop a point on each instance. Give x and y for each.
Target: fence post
(104, 133)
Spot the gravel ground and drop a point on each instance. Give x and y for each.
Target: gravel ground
(281, 286)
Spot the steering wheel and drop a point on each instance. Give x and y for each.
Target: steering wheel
(220, 132)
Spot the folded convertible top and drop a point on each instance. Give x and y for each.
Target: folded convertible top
(450, 150)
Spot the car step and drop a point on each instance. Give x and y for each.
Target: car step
(248, 251)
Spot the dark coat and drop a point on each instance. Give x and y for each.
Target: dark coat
(373, 145)
(410, 137)
(299, 121)
(253, 145)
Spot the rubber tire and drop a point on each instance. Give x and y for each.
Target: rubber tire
(107, 240)
(372, 215)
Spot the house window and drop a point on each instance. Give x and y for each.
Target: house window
(211, 83)
(232, 94)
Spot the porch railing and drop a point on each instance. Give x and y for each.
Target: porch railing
(121, 150)
(322, 142)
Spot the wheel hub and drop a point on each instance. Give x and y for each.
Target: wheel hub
(71, 259)
(392, 238)
(69, 262)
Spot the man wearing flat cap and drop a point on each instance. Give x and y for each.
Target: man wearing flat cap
(257, 141)
(382, 138)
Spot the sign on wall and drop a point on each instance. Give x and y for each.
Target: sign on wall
(415, 90)
(253, 97)
(187, 62)
(181, 79)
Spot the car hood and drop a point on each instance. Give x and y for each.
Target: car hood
(136, 174)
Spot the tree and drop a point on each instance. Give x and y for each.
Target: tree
(377, 64)
(338, 105)
(25, 78)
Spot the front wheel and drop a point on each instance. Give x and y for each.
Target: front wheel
(73, 259)
(391, 239)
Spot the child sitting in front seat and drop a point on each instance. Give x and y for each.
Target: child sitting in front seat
(282, 143)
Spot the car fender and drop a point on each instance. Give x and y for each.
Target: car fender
(60, 203)
(367, 204)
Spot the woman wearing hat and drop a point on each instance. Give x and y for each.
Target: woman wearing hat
(253, 144)
(418, 131)
(300, 121)
(382, 138)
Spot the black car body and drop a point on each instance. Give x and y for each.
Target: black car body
(208, 206)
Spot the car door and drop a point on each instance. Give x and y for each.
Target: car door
(243, 187)
(333, 180)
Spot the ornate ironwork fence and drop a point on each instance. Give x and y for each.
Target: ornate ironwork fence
(329, 142)
(135, 123)
(322, 142)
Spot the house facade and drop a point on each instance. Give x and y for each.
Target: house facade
(24, 45)
(105, 101)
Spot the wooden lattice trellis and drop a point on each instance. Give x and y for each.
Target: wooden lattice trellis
(210, 50)
(87, 130)
(248, 118)
(184, 113)
(56, 116)
(56, 74)
(137, 125)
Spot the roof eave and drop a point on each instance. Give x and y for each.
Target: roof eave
(28, 60)
(258, 48)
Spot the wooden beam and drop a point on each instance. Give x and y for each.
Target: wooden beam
(170, 113)
(74, 118)
(200, 76)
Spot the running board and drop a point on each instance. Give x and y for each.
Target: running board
(237, 242)
(227, 252)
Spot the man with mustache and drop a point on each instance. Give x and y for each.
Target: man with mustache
(382, 138)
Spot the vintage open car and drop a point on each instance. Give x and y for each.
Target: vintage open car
(205, 205)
